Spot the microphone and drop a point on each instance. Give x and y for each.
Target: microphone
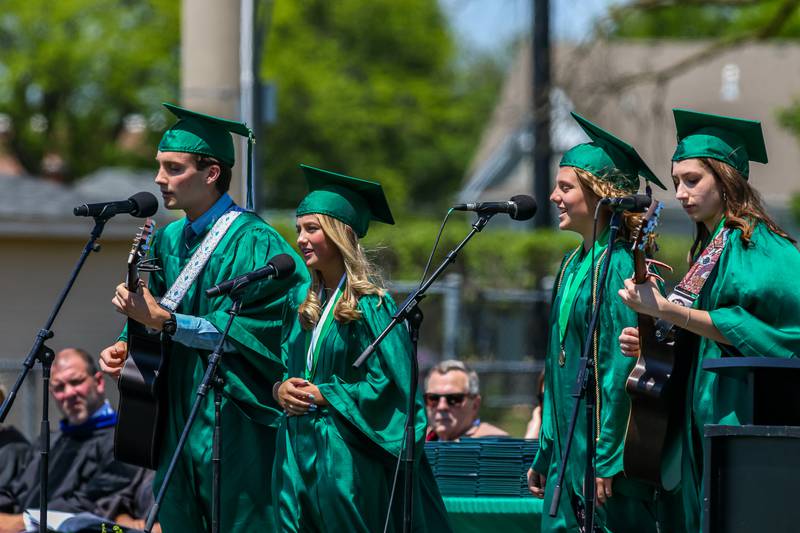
(141, 205)
(520, 207)
(636, 203)
(279, 267)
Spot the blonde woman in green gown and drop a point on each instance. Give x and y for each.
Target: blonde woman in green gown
(343, 428)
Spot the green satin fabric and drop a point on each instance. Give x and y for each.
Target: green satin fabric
(755, 306)
(249, 414)
(333, 468)
(633, 507)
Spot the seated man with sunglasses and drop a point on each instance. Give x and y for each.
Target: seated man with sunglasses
(452, 401)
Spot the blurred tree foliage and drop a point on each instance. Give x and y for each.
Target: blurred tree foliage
(71, 71)
(497, 257)
(790, 118)
(698, 19)
(374, 89)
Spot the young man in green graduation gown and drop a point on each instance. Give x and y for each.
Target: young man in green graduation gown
(605, 167)
(741, 302)
(195, 157)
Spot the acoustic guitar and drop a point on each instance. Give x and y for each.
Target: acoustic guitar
(142, 381)
(655, 385)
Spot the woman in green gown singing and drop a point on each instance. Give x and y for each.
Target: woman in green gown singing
(736, 300)
(339, 442)
(605, 167)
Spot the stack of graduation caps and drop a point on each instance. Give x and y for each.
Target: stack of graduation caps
(482, 467)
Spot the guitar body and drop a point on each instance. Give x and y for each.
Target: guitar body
(142, 383)
(142, 390)
(656, 387)
(656, 393)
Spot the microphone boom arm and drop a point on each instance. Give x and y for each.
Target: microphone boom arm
(413, 299)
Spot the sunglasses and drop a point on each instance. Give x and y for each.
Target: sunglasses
(453, 400)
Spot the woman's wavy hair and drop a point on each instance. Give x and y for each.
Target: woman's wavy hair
(602, 188)
(362, 278)
(741, 203)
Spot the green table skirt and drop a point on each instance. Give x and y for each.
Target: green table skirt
(506, 515)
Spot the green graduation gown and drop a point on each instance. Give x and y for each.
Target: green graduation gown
(249, 413)
(632, 507)
(754, 305)
(334, 467)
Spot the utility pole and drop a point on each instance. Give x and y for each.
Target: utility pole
(542, 149)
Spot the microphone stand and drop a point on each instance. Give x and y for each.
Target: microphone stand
(210, 379)
(42, 353)
(409, 310)
(585, 382)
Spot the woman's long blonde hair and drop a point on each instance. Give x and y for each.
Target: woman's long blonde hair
(362, 278)
(604, 189)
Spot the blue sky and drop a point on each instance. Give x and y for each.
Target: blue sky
(488, 24)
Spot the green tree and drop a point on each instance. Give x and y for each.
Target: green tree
(373, 88)
(71, 71)
(695, 19)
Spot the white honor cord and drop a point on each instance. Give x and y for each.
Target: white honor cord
(318, 327)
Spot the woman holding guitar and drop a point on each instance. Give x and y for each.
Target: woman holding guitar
(733, 301)
(605, 167)
(343, 428)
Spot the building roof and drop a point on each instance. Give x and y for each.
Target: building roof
(32, 207)
(753, 81)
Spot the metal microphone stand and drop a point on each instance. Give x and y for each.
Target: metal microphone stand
(409, 310)
(40, 352)
(210, 379)
(585, 382)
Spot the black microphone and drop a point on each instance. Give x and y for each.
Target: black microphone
(520, 207)
(141, 204)
(636, 203)
(279, 267)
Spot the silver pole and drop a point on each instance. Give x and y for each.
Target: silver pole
(247, 83)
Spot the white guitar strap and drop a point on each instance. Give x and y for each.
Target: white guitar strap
(178, 290)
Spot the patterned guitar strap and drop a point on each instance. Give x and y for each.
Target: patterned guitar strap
(172, 299)
(688, 290)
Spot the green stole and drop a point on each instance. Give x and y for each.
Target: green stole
(314, 341)
(573, 283)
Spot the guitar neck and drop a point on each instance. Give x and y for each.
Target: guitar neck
(132, 278)
(639, 266)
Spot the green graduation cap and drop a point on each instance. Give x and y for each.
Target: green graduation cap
(608, 158)
(735, 141)
(351, 200)
(198, 133)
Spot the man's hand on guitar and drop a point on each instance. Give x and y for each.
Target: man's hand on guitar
(629, 342)
(140, 306)
(113, 358)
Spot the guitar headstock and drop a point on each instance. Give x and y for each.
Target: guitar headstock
(141, 243)
(648, 225)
